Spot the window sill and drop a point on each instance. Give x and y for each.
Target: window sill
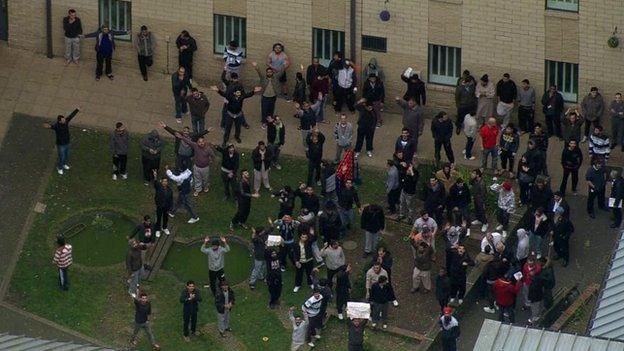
(456, 2)
(561, 14)
(440, 88)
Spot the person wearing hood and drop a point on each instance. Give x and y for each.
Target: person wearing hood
(183, 181)
(466, 101)
(562, 229)
(346, 87)
(505, 295)
(104, 48)
(616, 112)
(506, 205)
(552, 102)
(373, 68)
(538, 225)
(375, 93)
(415, 89)
(234, 57)
(151, 148)
(485, 93)
(592, 109)
(118, 144)
(523, 247)
(144, 44)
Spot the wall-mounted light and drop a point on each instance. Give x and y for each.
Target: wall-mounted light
(613, 41)
(385, 14)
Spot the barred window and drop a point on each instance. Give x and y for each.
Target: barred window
(444, 64)
(228, 28)
(325, 42)
(565, 76)
(372, 43)
(118, 15)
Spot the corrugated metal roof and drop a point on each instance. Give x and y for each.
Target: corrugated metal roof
(496, 336)
(23, 343)
(608, 321)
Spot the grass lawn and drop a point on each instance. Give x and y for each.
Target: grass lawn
(97, 303)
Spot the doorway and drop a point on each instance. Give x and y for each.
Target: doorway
(4, 20)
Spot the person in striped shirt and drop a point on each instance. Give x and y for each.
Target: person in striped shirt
(599, 144)
(63, 259)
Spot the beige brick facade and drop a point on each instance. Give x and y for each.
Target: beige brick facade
(515, 37)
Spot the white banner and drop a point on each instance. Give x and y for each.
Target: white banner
(358, 310)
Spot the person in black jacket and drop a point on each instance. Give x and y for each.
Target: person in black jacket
(73, 29)
(315, 70)
(330, 223)
(540, 139)
(343, 289)
(180, 84)
(617, 193)
(183, 180)
(309, 200)
(459, 197)
(540, 194)
(243, 201)
(408, 192)
(314, 153)
(561, 231)
(552, 102)
(442, 130)
(374, 92)
(142, 310)
(367, 123)
(571, 161)
(373, 222)
(190, 299)
(449, 330)
(234, 109)
(304, 260)
(347, 196)
(276, 137)
(435, 199)
(274, 277)
(230, 161)
(380, 295)
(286, 199)
(415, 89)
(224, 301)
(163, 197)
(538, 226)
(406, 144)
(61, 129)
(262, 158)
(459, 262)
(186, 45)
(442, 288)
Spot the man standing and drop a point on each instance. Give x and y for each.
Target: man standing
(408, 192)
(73, 30)
(552, 102)
(312, 308)
(478, 191)
(63, 258)
(104, 47)
(356, 334)
(233, 56)
(343, 134)
(393, 186)
(489, 139)
(616, 111)
(617, 194)
(186, 46)
(449, 330)
(258, 240)
(198, 105)
(347, 196)
(485, 93)
(151, 148)
(526, 107)
(243, 201)
(216, 259)
(183, 180)
(592, 110)
(506, 91)
(270, 89)
(203, 156)
(307, 119)
(315, 142)
(134, 265)
(262, 159)
(466, 101)
(379, 297)
(442, 130)
(373, 223)
(163, 198)
(366, 127)
(190, 299)
(571, 161)
(276, 137)
(423, 261)
(300, 329)
(142, 311)
(561, 231)
(234, 109)
(278, 62)
(144, 44)
(412, 118)
(61, 130)
(118, 144)
(224, 301)
(180, 84)
(230, 161)
(346, 88)
(375, 93)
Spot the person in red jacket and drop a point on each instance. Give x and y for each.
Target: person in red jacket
(505, 294)
(530, 269)
(489, 137)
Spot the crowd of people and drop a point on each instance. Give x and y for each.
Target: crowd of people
(309, 237)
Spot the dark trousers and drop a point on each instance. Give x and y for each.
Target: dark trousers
(503, 218)
(119, 164)
(393, 199)
(342, 96)
(267, 107)
(362, 134)
(184, 162)
(562, 248)
(307, 267)
(181, 107)
(242, 211)
(63, 279)
(507, 312)
(526, 118)
(100, 63)
(462, 111)
(330, 276)
(458, 288)
(448, 149)
(314, 171)
(617, 216)
(190, 317)
(149, 165)
(198, 124)
(275, 150)
(213, 277)
(469, 144)
(564, 180)
(144, 62)
(162, 217)
(286, 251)
(187, 63)
(229, 122)
(525, 192)
(184, 201)
(229, 184)
(341, 300)
(507, 156)
(553, 124)
(479, 212)
(275, 290)
(595, 194)
(590, 125)
(315, 323)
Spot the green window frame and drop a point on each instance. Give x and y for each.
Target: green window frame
(118, 15)
(228, 28)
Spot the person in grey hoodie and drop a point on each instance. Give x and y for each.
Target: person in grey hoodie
(470, 130)
(393, 186)
(216, 259)
(523, 246)
(151, 148)
(373, 68)
(118, 144)
(144, 43)
(413, 118)
(592, 110)
(616, 111)
(343, 134)
(300, 330)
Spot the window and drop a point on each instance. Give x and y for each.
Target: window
(563, 5)
(444, 64)
(371, 43)
(228, 28)
(325, 42)
(565, 76)
(117, 14)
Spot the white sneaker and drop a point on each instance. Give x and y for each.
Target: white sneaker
(468, 232)
(124, 176)
(499, 227)
(133, 295)
(504, 234)
(395, 303)
(193, 220)
(311, 344)
(475, 222)
(484, 228)
(357, 154)
(66, 166)
(464, 151)
(166, 231)
(171, 214)
(296, 289)
(158, 233)
(340, 316)
(374, 325)
(312, 286)
(384, 326)
(114, 177)
(489, 310)
(452, 301)
(60, 171)
(369, 154)
(584, 139)
(317, 336)
(460, 301)
(472, 158)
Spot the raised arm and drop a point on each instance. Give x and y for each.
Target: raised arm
(72, 115)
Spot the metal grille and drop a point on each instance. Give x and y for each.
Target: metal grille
(444, 64)
(565, 76)
(371, 43)
(325, 42)
(228, 28)
(118, 15)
